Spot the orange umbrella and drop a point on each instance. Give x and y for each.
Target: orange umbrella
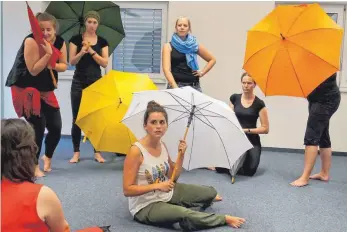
(293, 50)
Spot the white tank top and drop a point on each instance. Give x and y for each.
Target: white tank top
(151, 169)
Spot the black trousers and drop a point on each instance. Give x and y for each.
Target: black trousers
(80, 81)
(317, 129)
(250, 164)
(49, 118)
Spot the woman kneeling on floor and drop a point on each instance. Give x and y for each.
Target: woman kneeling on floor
(159, 201)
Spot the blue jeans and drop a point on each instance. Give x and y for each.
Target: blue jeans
(195, 85)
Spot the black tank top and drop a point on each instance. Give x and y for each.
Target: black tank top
(326, 91)
(179, 68)
(21, 77)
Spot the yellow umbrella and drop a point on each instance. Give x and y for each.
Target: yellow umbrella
(103, 106)
(293, 50)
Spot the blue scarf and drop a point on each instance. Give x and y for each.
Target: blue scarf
(188, 47)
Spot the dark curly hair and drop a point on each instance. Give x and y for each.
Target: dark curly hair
(18, 150)
(153, 107)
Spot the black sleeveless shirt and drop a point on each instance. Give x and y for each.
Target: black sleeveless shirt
(21, 77)
(180, 69)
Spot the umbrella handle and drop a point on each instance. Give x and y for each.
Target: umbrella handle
(53, 78)
(179, 157)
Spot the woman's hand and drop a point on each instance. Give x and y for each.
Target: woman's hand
(47, 47)
(198, 73)
(166, 186)
(182, 146)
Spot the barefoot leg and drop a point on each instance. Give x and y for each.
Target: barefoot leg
(98, 157)
(325, 155)
(47, 163)
(38, 172)
(234, 222)
(310, 159)
(75, 158)
(218, 198)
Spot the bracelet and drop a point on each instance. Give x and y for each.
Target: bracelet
(93, 54)
(249, 131)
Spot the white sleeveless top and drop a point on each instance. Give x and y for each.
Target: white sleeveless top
(151, 169)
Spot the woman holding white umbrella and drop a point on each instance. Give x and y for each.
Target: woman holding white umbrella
(153, 198)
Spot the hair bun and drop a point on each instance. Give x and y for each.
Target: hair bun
(152, 104)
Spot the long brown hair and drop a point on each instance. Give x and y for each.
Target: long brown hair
(18, 150)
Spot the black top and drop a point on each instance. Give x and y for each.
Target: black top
(326, 90)
(87, 64)
(180, 69)
(248, 116)
(21, 77)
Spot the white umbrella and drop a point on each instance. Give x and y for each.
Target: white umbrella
(213, 135)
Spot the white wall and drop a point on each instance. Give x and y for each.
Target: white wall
(221, 27)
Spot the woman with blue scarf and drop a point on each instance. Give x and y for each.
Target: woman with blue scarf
(180, 63)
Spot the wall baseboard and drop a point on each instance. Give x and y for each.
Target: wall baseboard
(274, 149)
(292, 150)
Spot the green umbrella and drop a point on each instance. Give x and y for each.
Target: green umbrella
(70, 16)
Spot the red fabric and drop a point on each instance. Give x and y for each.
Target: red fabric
(38, 36)
(18, 207)
(27, 101)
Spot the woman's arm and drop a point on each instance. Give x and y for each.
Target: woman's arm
(132, 164)
(62, 65)
(207, 56)
(49, 209)
(75, 58)
(101, 60)
(264, 121)
(32, 59)
(178, 165)
(166, 63)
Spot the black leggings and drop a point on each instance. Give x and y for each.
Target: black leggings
(250, 164)
(49, 118)
(76, 96)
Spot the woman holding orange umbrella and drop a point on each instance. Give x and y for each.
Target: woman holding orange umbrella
(323, 103)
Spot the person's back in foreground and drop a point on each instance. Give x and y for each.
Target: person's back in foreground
(25, 206)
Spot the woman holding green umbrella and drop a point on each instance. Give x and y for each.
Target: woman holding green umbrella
(88, 51)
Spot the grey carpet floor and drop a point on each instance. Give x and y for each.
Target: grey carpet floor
(91, 194)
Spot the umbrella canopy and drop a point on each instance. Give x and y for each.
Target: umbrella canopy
(70, 16)
(214, 136)
(293, 50)
(104, 104)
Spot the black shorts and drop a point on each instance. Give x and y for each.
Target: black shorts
(317, 129)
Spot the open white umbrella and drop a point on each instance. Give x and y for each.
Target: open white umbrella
(212, 132)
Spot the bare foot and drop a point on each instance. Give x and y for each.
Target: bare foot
(218, 198)
(320, 176)
(46, 163)
(75, 157)
(301, 182)
(38, 172)
(235, 222)
(98, 158)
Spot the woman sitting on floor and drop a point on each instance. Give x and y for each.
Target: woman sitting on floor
(153, 198)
